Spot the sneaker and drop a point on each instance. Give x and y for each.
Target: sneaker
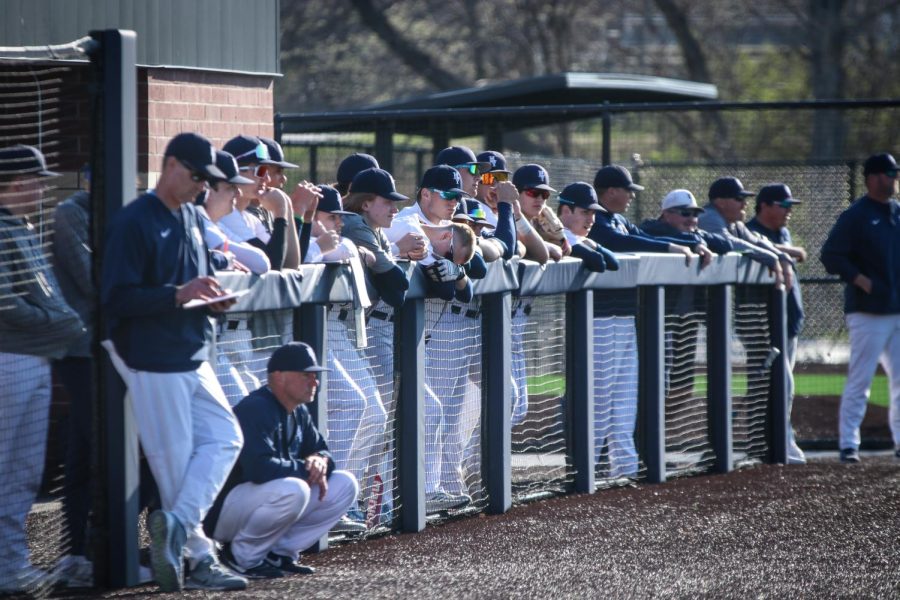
(209, 574)
(439, 501)
(897, 451)
(354, 522)
(263, 570)
(167, 539)
(849, 455)
(795, 455)
(288, 564)
(75, 571)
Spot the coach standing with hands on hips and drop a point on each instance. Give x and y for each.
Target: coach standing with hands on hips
(155, 261)
(864, 249)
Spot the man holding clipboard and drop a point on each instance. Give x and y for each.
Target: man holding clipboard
(156, 264)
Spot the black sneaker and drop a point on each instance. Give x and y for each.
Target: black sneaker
(263, 570)
(849, 455)
(287, 564)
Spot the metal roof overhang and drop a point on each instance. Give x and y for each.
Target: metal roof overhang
(518, 104)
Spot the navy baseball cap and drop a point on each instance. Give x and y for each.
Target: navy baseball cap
(615, 176)
(330, 201)
(728, 187)
(247, 149)
(444, 178)
(532, 177)
(879, 163)
(197, 152)
(471, 210)
(295, 356)
(226, 163)
(776, 193)
(24, 160)
(460, 156)
(581, 195)
(276, 153)
(353, 164)
(378, 182)
(495, 159)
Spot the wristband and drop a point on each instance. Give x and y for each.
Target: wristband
(298, 218)
(523, 226)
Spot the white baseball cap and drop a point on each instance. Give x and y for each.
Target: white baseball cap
(680, 199)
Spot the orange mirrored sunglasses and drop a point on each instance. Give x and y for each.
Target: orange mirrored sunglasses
(495, 177)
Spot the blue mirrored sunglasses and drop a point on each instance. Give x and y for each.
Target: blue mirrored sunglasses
(472, 168)
(446, 195)
(261, 152)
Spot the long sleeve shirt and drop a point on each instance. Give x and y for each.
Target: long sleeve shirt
(866, 240)
(755, 245)
(795, 315)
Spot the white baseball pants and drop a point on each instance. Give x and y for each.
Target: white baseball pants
(24, 416)
(284, 516)
(872, 337)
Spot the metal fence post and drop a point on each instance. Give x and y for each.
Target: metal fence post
(719, 324)
(778, 419)
(409, 361)
(606, 157)
(310, 327)
(384, 145)
(651, 378)
(496, 432)
(580, 387)
(118, 473)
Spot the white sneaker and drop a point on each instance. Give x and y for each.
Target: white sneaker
(441, 500)
(795, 455)
(75, 571)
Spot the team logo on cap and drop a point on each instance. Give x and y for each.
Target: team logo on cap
(542, 176)
(493, 160)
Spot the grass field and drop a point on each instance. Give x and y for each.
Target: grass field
(806, 385)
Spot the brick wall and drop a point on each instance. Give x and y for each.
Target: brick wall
(218, 105)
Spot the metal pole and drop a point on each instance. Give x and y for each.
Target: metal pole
(409, 360)
(496, 439)
(384, 145)
(116, 513)
(606, 158)
(778, 416)
(651, 378)
(580, 387)
(719, 324)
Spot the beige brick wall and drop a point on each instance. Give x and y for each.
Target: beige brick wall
(218, 105)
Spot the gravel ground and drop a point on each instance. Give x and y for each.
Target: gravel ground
(816, 531)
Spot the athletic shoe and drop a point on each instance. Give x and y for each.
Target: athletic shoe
(354, 522)
(167, 539)
(209, 574)
(263, 570)
(439, 501)
(795, 455)
(75, 571)
(849, 455)
(288, 564)
(897, 451)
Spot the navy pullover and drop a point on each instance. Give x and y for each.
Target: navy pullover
(150, 251)
(795, 315)
(866, 239)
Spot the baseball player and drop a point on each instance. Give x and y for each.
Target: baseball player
(576, 210)
(773, 211)
(863, 248)
(155, 262)
(36, 325)
(615, 337)
(448, 428)
(284, 493)
(349, 167)
(357, 420)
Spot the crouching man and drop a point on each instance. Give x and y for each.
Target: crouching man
(283, 493)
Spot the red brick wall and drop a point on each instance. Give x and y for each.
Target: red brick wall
(218, 105)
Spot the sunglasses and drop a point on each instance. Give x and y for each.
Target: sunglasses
(892, 173)
(784, 204)
(534, 193)
(446, 195)
(261, 151)
(478, 213)
(492, 178)
(684, 212)
(196, 176)
(258, 171)
(472, 168)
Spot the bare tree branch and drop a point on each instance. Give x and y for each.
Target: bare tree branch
(694, 58)
(414, 57)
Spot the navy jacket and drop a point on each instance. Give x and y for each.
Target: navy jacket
(276, 445)
(795, 315)
(866, 239)
(716, 243)
(615, 232)
(149, 251)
